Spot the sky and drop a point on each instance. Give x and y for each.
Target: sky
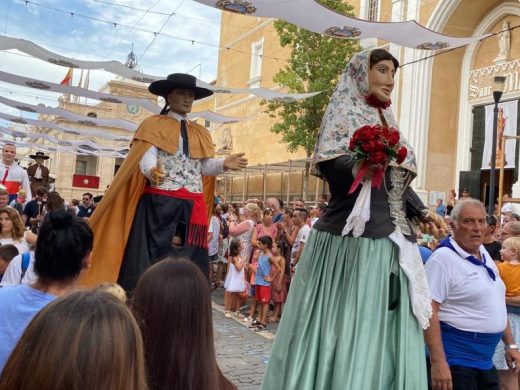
(97, 31)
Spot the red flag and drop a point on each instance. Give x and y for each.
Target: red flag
(68, 78)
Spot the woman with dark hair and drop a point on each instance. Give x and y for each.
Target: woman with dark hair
(62, 252)
(89, 340)
(54, 201)
(360, 297)
(172, 305)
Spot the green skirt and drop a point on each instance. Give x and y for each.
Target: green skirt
(347, 323)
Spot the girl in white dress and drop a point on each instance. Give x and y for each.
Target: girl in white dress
(235, 281)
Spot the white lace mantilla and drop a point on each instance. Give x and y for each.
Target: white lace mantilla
(181, 171)
(400, 180)
(409, 256)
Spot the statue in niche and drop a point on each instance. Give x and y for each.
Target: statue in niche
(504, 43)
(226, 142)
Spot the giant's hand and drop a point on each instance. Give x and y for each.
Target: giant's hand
(157, 176)
(235, 161)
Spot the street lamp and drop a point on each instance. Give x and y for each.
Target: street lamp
(499, 83)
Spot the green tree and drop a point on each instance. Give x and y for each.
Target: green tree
(315, 63)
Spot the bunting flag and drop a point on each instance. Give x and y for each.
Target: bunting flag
(68, 78)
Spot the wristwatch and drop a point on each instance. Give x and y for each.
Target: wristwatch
(511, 346)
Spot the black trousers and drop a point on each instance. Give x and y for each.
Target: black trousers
(157, 220)
(467, 378)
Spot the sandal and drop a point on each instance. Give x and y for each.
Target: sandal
(260, 327)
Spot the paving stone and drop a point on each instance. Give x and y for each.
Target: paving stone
(242, 354)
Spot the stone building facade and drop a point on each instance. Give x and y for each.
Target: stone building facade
(438, 101)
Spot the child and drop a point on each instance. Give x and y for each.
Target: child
(509, 271)
(278, 291)
(235, 283)
(114, 289)
(7, 252)
(263, 280)
(252, 272)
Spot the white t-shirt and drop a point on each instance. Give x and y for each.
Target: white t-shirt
(302, 235)
(14, 272)
(214, 228)
(21, 245)
(469, 299)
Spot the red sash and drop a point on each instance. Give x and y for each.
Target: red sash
(12, 187)
(198, 228)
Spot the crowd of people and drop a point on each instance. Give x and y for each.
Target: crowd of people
(90, 338)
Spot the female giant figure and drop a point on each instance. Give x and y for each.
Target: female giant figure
(357, 304)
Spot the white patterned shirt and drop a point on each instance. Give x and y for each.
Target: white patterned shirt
(181, 170)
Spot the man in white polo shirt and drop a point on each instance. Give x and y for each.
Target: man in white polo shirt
(469, 311)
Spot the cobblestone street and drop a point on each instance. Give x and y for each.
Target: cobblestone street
(242, 354)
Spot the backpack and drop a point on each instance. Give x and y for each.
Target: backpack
(26, 259)
(225, 228)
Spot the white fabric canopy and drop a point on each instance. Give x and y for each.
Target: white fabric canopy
(77, 91)
(18, 133)
(73, 117)
(59, 146)
(312, 16)
(115, 67)
(82, 132)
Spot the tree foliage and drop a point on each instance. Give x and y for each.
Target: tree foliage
(315, 63)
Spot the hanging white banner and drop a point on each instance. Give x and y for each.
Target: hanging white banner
(312, 16)
(76, 143)
(115, 67)
(119, 99)
(506, 125)
(51, 125)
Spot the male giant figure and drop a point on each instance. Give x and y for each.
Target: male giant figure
(159, 194)
(469, 309)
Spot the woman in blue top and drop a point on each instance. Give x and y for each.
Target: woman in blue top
(62, 251)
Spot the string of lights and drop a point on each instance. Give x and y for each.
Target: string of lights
(160, 30)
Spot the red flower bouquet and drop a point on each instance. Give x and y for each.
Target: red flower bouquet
(375, 146)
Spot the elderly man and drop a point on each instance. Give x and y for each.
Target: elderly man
(274, 204)
(469, 311)
(12, 175)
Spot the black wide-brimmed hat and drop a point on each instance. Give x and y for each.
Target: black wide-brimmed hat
(39, 155)
(178, 80)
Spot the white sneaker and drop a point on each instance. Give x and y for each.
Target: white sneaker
(246, 319)
(227, 314)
